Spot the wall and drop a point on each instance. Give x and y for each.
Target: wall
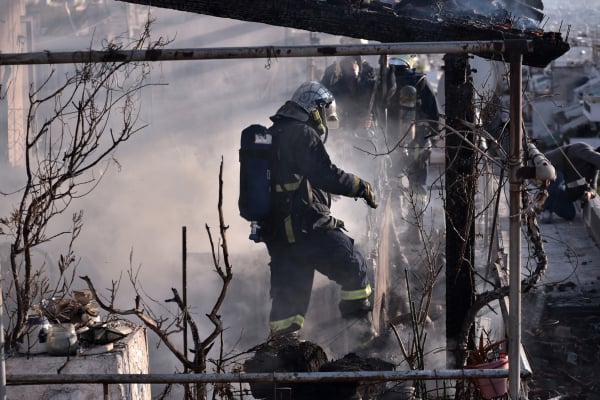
(129, 356)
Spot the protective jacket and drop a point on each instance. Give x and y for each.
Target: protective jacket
(400, 76)
(419, 149)
(303, 178)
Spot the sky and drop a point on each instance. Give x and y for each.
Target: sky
(168, 174)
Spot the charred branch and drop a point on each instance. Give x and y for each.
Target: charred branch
(382, 24)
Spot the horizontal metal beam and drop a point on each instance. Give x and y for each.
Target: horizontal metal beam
(45, 379)
(84, 56)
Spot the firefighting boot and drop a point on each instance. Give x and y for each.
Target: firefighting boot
(361, 333)
(360, 328)
(291, 334)
(355, 308)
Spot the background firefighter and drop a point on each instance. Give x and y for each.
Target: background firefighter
(352, 81)
(577, 168)
(411, 126)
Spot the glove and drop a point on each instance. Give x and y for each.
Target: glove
(588, 195)
(339, 224)
(367, 194)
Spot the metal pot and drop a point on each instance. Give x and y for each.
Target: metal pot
(62, 340)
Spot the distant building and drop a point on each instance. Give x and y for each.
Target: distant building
(13, 83)
(563, 101)
(35, 25)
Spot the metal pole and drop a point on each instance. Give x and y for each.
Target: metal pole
(187, 54)
(515, 162)
(106, 389)
(2, 354)
(334, 376)
(184, 295)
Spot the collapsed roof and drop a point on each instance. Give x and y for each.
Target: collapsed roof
(407, 21)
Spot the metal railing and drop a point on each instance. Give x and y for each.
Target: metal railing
(272, 377)
(515, 48)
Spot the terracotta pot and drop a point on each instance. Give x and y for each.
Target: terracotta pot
(491, 387)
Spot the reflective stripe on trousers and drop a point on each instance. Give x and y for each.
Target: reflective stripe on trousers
(357, 294)
(286, 323)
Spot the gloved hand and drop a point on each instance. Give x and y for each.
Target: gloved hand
(588, 195)
(339, 224)
(368, 194)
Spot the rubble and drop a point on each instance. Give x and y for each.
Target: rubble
(292, 355)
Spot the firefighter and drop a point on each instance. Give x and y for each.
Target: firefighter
(417, 150)
(352, 80)
(301, 235)
(412, 141)
(577, 168)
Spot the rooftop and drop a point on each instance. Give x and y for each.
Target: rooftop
(561, 323)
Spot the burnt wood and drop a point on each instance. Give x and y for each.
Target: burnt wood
(380, 24)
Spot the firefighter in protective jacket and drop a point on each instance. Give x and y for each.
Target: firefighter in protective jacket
(301, 234)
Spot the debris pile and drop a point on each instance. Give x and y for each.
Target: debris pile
(292, 355)
(66, 325)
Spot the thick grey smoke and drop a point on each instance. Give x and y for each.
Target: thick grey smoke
(168, 175)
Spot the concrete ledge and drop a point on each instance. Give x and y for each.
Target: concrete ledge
(591, 218)
(129, 356)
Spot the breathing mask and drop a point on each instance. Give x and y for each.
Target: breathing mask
(324, 118)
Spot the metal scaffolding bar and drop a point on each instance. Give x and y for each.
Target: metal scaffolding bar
(514, 48)
(188, 54)
(365, 376)
(514, 265)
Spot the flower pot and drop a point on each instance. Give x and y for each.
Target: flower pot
(491, 387)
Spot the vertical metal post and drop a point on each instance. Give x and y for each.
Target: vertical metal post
(184, 285)
(2, 354)
(515, 162)
(184, 299)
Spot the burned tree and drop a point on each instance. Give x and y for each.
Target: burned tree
(72, 131)
(460, 188)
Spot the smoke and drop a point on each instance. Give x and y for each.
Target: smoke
(167, 176)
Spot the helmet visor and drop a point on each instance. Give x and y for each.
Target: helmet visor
(331, 119)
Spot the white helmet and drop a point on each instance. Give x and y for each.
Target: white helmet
(313, 96)
(408, 60)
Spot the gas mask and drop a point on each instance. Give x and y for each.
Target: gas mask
(324, 118)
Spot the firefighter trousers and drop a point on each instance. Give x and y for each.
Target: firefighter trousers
(330, 252)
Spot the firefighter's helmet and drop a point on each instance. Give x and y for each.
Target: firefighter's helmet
(408, 60)
(316, 99)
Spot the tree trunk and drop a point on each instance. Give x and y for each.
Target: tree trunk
(461, 178)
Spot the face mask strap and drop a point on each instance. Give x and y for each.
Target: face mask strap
(320, 125)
